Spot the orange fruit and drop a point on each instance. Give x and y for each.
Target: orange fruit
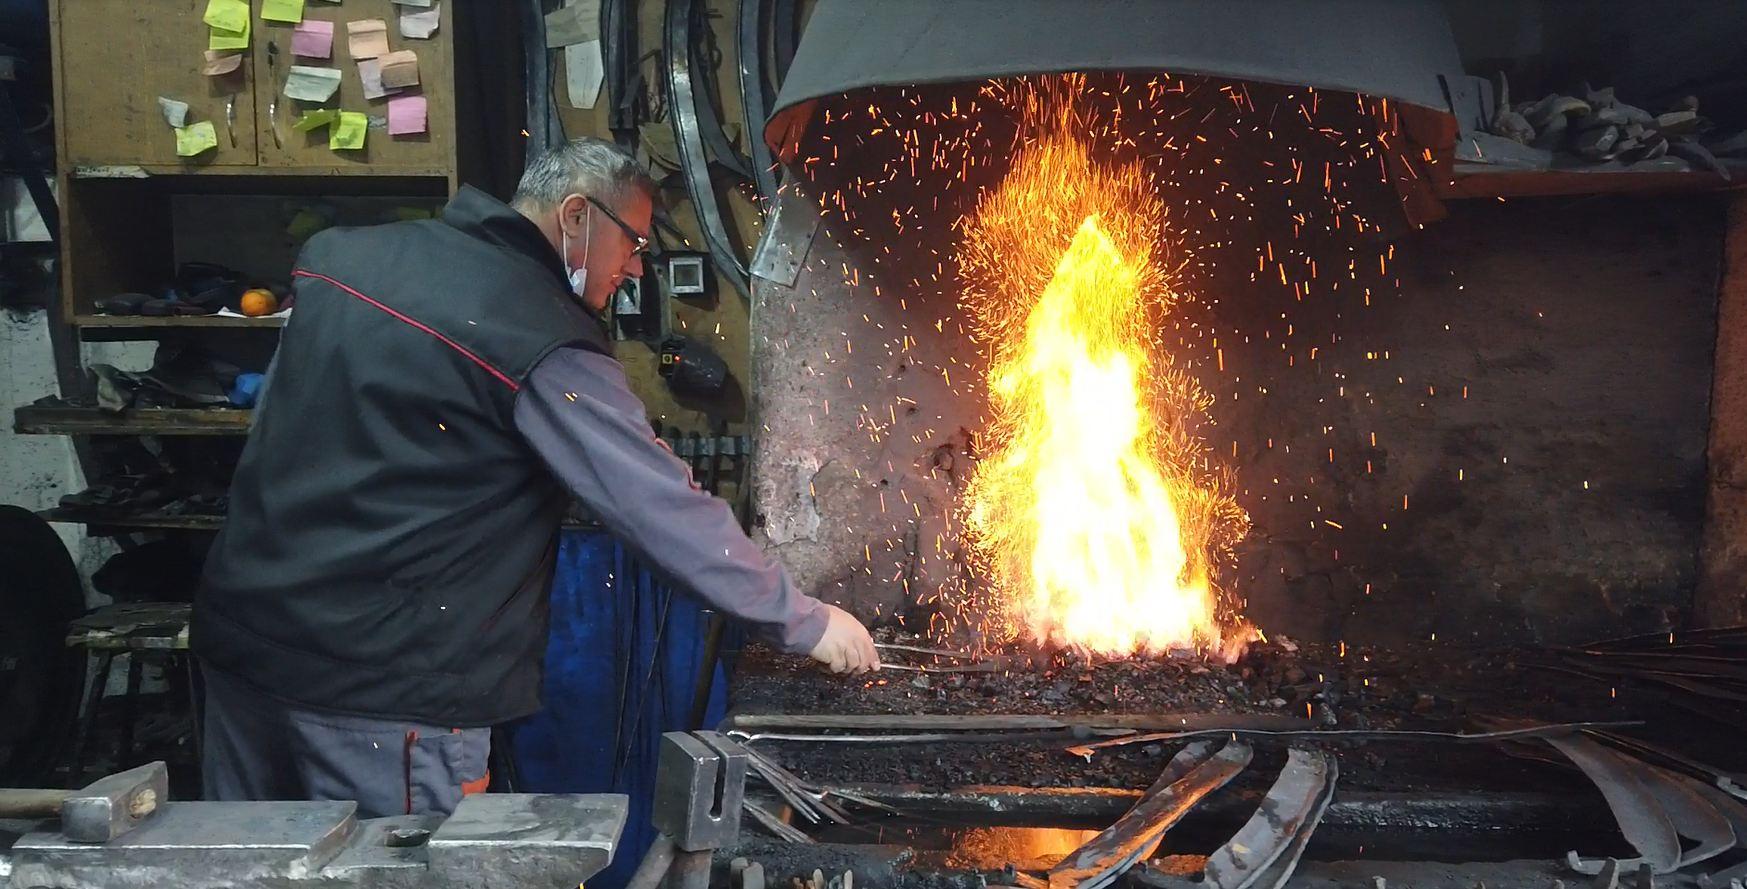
(258, 302)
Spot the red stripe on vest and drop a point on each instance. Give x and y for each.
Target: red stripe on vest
(502, 377)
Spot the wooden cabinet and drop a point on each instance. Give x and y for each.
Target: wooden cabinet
(114, 58)
(431, 152)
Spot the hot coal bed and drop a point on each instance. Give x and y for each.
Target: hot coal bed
(1470, 448)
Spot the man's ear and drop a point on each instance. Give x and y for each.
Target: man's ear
(571, 211)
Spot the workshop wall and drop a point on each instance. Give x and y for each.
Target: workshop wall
(35, 470)
(722, 324)
(1537, 388)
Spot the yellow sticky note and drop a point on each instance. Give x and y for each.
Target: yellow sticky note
(315, 120)
(348, 131)
(195, 138)
(224, 39)
(282, 10)
(227, 15)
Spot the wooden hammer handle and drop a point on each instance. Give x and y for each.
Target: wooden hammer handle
(25, 802)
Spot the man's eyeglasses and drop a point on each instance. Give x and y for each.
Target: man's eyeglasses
(637, 238)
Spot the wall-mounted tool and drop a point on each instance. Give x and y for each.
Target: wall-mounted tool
(691, 368)
(639, 312)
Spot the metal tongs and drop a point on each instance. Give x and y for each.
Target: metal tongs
(992, 665)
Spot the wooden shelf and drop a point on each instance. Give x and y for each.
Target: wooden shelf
(155, 521)
(124, 328)
(37, 420)
(143, 171)
(206, 321)
(1476, 180)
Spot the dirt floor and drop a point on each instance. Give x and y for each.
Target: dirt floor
(1436, 686)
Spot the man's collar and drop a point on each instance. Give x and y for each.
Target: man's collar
(489, 219)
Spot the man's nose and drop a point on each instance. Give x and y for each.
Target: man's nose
(634, 266)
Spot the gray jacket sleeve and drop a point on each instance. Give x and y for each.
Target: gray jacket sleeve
(581, 417)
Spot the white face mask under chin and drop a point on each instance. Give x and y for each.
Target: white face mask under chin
(579, 275)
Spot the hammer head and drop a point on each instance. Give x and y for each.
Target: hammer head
(112, 806)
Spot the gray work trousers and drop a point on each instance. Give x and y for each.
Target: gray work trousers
(258, 748)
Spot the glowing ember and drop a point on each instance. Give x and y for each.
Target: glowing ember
(1093, 512)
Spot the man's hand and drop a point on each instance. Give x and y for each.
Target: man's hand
(846, 647)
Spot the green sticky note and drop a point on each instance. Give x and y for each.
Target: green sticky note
(195, 138)
(408, 214)
(315, 120)
(282, 10)
(348, 131)
(224, 39)
(227, 15)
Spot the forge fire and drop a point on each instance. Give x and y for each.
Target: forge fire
(1096, 514)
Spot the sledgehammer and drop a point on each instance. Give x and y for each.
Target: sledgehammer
(104, 810)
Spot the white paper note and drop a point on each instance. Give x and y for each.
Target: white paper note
(370, 72)
(583, 73)
(422, 24)
(310, 84)
(175, 113)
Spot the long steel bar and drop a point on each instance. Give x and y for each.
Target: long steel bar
(932, 652)
(1536, 731)
(929, 722)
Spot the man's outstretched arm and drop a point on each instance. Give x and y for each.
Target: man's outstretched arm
(581, 417)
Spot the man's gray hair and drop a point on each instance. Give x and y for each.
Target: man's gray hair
(590, 167)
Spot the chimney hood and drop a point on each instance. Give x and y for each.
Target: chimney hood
(1402, 50)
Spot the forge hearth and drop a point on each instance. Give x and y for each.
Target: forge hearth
(1491, 428)
(1435, 688)
(1465, 439)
(1485, 430)
(984, 774)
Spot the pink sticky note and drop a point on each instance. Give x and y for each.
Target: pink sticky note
(406, 115)
(313, 39)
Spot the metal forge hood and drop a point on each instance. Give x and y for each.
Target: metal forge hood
(1397, 49)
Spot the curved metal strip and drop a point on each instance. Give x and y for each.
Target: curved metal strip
(1136, 834)
(754, 101)
(716, 143)
(1694, 814)
(1275, 825)
(1278, 873)
(1641, 818)
(688, 141)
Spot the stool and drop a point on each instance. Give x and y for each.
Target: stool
(137, 629)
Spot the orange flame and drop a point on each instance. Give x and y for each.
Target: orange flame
(1095, 513)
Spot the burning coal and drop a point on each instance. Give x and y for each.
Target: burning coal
(1096, 514)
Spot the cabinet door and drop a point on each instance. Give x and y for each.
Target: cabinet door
(428, 153)
(116, 57)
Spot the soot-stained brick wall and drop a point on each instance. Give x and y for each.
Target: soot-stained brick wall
(1507, 445)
